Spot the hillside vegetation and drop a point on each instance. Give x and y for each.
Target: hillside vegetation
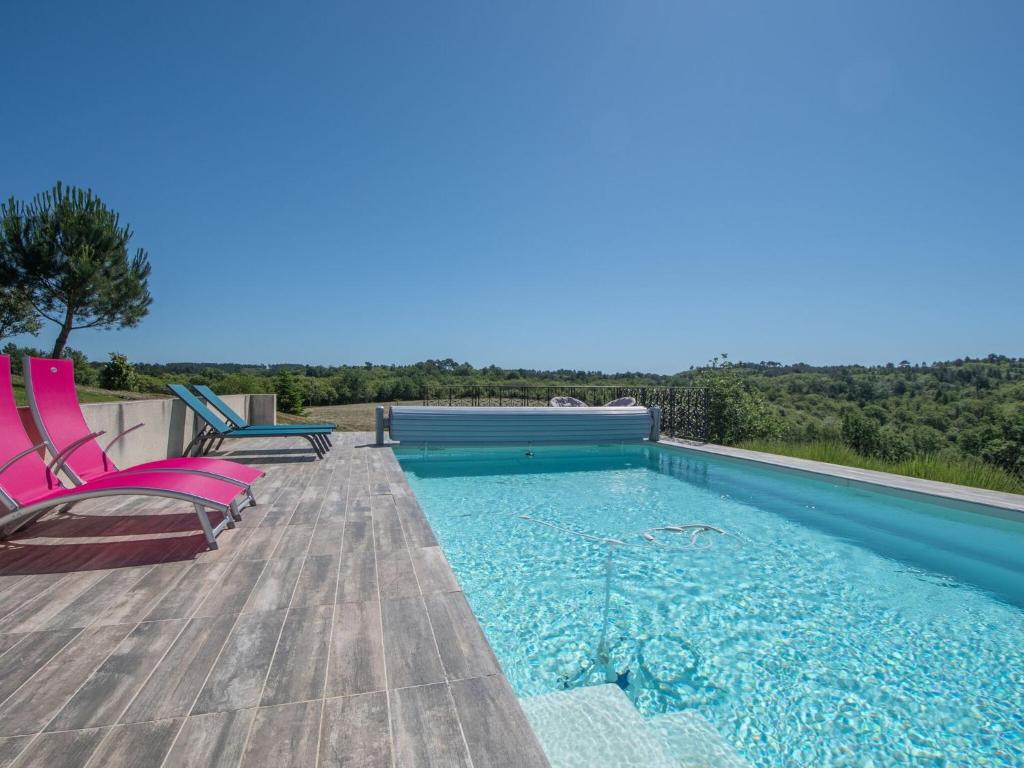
(960, 421)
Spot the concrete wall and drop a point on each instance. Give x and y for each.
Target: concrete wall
(169, 425)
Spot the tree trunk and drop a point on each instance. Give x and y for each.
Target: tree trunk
(62, 337)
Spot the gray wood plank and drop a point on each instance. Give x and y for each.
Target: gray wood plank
(395, 575)
(357, 580)
(216, 739)
(138, 744)
(433, 571)
(358, 536)
(189, 592)
(232, 592)
(174, 685)
(409, 649)
(237, 680)
(295, 542)
(299, 669)
(109, 690)
(284, 737)
(465, 651)
(417, 529)
(355, 732)
(38, 613)
(9, 641)
(494, 725)
(327, 539)
(358, 499)
(426, 728)
(25, 589)
(318, 581)
(68, 749)
(262, 543)
(283, 507)
(387, 528)
(274, 589)
(357, 650)
(133, 604)
(29, 655)
(102, 594)
(11, 747)
(39, 699)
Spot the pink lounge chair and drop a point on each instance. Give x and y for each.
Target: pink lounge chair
(29, 488)
(50, 386)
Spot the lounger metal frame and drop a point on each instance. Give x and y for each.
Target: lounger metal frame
(59, 462)
(322, 432)
(18, 516)
(216, 430)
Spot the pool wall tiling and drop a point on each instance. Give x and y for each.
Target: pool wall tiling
(829, 624)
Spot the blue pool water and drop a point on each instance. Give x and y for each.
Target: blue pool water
(830, 625)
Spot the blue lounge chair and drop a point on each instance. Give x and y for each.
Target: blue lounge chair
(216, 430)
(238, 422)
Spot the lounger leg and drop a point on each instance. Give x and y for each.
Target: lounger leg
(316, 446)
(233, 514)
(204, 521)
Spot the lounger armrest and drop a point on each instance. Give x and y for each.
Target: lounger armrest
(58, 461)
(19, 456)
(121, 434)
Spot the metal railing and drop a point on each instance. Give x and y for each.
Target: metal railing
(684, 410)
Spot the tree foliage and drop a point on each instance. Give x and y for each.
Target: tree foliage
(289, 393)
(67, 254)
(737, 411)
(117, 373)
(17, 315)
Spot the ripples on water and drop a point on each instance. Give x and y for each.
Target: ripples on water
(834, 626)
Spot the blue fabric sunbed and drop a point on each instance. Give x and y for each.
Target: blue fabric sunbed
(240, 423)
(216, 429)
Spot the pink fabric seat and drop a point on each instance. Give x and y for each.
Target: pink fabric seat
(51, 390)
(28, 488)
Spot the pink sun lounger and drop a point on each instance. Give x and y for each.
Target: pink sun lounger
(29, 488)
(50, 386)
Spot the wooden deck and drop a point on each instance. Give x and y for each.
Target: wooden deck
(327, 630)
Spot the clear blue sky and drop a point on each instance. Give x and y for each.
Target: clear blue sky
(591, 185)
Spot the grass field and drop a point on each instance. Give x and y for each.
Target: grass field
(962, 471)
(358, 417)
(87, 394)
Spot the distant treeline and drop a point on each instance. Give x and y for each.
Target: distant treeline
(971, 407)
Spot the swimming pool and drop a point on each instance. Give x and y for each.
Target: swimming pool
(826, 625)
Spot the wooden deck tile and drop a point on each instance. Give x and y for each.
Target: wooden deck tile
(409, 649)
(356, 732)
(357, 650)
(237, 680)
(299, 670)
(211, 740)
(425, 728)
(284, 737)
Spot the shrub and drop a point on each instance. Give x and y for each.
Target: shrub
(119, 374)
(736, 412)
(289, 392)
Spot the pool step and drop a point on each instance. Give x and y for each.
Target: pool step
(599, 726)
(694, 742)
(594, 726)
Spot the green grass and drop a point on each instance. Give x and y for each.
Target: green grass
(87, 394)
(962, 471)
(358, 417)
